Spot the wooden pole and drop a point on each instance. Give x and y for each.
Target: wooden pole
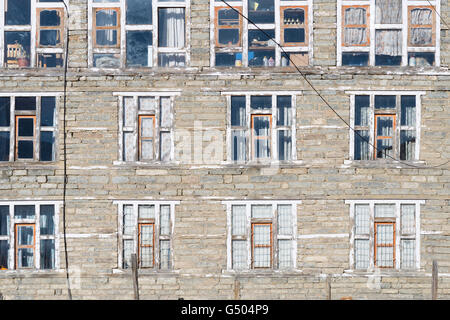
(237, 289)
(434, 284)
(135, 276)
(328, 285)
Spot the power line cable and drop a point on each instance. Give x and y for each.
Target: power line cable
(322, 98)
(440, 17)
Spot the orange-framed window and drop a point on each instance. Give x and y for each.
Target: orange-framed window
(294, 25)
(261, 126)
(24, 245)
(355, 26)
(106, 31)
(384, 135)
(384, 244)
(25, 137)
(262, 245)
(146, 248)
(421, 26)
(228, 27)
(146, 137)
(50, 27)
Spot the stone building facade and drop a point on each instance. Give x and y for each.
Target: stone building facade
(193, 141)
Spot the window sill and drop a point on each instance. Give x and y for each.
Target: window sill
(385, 272)
(13, 273)
(146, 272)
(28, 165)
(384, 163)
(263, 273)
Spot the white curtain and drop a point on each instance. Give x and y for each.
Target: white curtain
(355, 16)
(407, 144)
(421, 36)
(106, 18)
(238, 145)
(388, 42)
(362, 150)
(171, 27)
(238, 220)
(284, 219)
(388, 11)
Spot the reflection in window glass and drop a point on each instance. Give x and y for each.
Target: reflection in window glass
(106, 60)
(17, 48)
(18, 12)
(139, 49)
(139, 12)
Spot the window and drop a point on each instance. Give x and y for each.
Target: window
(261, 126)
(28, 128)
(29, 235)
(32, 33)
(238, 42)
(390, 121)
(262, 235)
(146, 229)
(388, 33)
(385, 234)
(138, 33)
(146, 126)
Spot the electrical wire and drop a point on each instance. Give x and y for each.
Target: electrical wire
(322, 98)
(442, 19)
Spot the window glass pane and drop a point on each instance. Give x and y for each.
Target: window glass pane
(261, 131)
(47, 146)
(294, 35)
(5, 112)
(127, 251)
(407, 144)
(104, 1)
(146, 104)
(50, 18)
(261, 58)
(171, 27)
(146, 257)
(408, 221)
(47, 222)
(166, 146)
(25, 127)
(408, 249)
(385, 126)
(238, 113)
(25, 103)
(17, 48)
(385, 234)
(106, 37)
(284, 254)
(4, 146)
(361, 254)
(146, 212)
(261, 11)
(421, 36)
(50, 60)
(146, 235)
(384, 148)
(385, 102)
(384, 210)
(285, 222)
(284, 110)
(164, 220)
(165, 112)
(25, 149)
(139, 12)
(147, 127)
(128, 220)
(228, 36)
(384, 245)
(362, 215)
(24, 212)
(284, 145)
(408, 112)
(388, 47)
(25, 235)
(238, 220)
(388, 11)
(358, 59)
(171, 60)
(139, 49)
(229, 59)
(261, 102)
(48, 111)
(261, 257)
(238, 145)
(385, 257)
(47, 251)
(4, 220)
(355, 16)
(103, 60)
(362, 106)
(106, 18)
(4, 248)
(294, 59)
(129, 112)
(25, 258)
(164, 246)
(421, 58)
(17, 12)
(262, 211)
(362, 147)
(147, 150)
(129, 146)
(49, 37)
(239, 254)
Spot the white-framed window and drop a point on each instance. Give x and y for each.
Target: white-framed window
(146, 122)
(146, 229)
(238, 42)
(28, 126)
(261, 126)
(388, 120)
(29, 236)
(261, 234)
(138, 33)
(385, 234)
(32, 33)
(388, 33)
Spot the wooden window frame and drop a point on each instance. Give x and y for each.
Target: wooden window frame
(95, 27)
(392, 245)
(413, 26)
(366, 26)
(18, 138)
(218, 27)
(284, 26)
(142, 138)
(253, 224)
(39, 27)
(255, 137)
(17, 246)
(140, 245)
(377, 137)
